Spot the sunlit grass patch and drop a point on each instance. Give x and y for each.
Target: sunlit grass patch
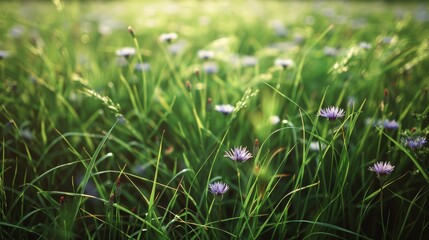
(214, 120)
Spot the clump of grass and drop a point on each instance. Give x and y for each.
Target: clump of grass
(244, 122)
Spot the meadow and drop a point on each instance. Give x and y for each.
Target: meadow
(214, 120)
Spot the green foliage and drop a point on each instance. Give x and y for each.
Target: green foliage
(100, 145)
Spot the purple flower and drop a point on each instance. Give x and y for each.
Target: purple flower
(224, 108)
(390, 124)
(210, 67)
(332, 113)
(414, 142)
(218, 188)
(382, 168)
(239, 154)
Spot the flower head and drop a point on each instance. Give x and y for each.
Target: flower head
(4, 54)
(126, 52)
(365, 45)
(330, 51)
(315, 146)
(168, 37)
(224, 108)
(382, 168)
(218, 188)
(142, 67)
(210, 67)
(205, 54)
(274, 119)
(332, 113)
(249, 61)
(239, 154)
(414, 142)
(390, 124)
(284, 63)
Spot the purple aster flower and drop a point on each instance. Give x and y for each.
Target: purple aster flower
(224, 108)
(414, 142)
(218, 188)
(239, 154)
(210, 67)
(332, 113)
(390, 124)
(382, 168)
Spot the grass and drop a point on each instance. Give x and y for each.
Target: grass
(94, 148)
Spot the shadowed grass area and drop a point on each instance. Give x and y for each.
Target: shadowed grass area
(118, 118)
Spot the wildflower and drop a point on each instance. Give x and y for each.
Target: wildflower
(332, 113)
(284, 63)
(121, 61)
(205, 54)
(365, 45)
(315, 146)
(168, 37)
(249, 61)
(382, 168)
(177, 47)
(218, 188)
(279, 28)
(330, 51)
(17, 31)
(126, 52)
(414, 142)
(224, 108)
(298, 38)
(105, 29)
(239, 154)
(274, 119)
(388, 40)
(210, 67)
(142, 67)
(390, 124)
(4, 54)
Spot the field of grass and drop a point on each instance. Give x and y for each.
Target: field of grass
(118, 120)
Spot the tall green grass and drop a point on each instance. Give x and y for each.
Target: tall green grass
(92, 148)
